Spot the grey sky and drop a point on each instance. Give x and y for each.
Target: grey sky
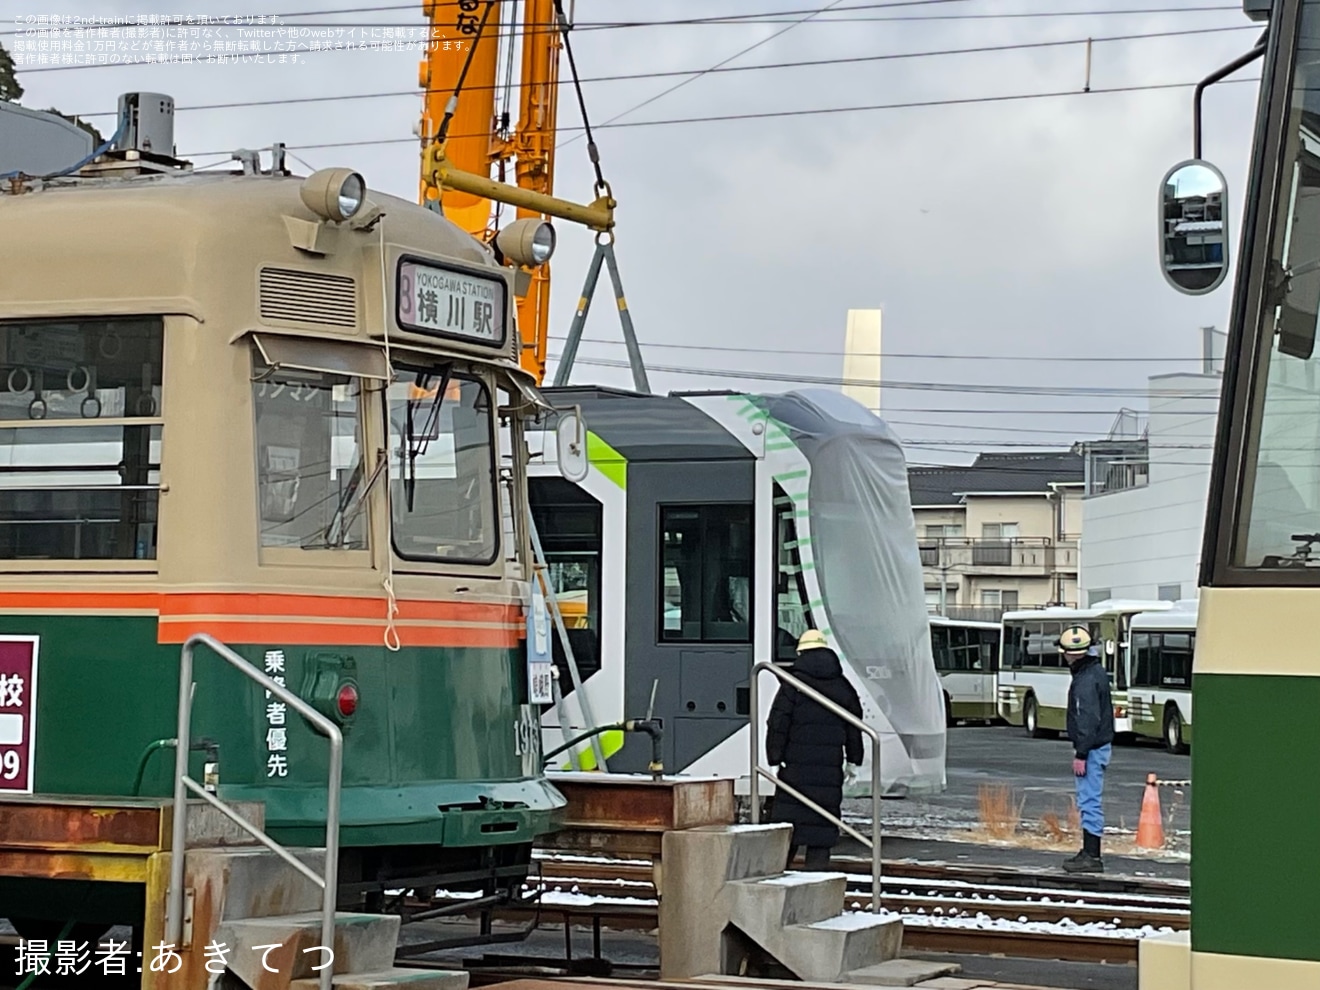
(1015, 228)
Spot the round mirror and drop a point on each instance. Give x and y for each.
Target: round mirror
(1194, 227)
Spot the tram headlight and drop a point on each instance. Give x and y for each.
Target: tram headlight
(334, 193)
(528, 242)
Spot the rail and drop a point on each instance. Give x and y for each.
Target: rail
(759, 770)
(328, 883)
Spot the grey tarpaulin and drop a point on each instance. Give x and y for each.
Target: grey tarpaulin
(864, 546)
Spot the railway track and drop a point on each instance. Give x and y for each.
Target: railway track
(946, 908)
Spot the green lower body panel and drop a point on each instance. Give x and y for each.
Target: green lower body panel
(1256, 817)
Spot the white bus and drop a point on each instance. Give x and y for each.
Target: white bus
(1033, 676)
(1160, 674)
(966, 657)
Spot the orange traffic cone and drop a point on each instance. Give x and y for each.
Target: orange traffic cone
(1150, 830)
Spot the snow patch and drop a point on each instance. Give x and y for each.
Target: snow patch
(855, 921)
(800, 879)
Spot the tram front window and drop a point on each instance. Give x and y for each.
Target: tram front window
(80, 439)
(1281, 494)
(442, 468)
(309, 461)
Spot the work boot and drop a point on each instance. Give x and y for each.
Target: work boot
(1088, 860)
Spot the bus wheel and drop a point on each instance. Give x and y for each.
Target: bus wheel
(1173, 740)
(1031, 717)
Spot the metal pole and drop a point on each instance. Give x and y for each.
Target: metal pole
(566, 359)
(875, 824)
(944, 584)
(179, 826)
(328, 904)
(754, 788)
(553, 602)
(625, 318)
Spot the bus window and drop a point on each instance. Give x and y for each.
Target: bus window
(1141, 659)
(1176, 661)
(939, 647)
(1012, 658)
(989, 651)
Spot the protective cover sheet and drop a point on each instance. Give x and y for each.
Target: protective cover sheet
(868, 564)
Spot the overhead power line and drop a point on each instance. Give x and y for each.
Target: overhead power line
(694, 74)
(820, 111)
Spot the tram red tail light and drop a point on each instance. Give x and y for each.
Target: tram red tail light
(347, 700)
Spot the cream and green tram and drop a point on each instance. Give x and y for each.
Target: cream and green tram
(1033, 676)
(1255, 910)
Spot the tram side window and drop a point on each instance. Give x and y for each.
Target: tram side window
(705, 575)
(309, 460)
(80, 439)
(570, 524)
(442, 468)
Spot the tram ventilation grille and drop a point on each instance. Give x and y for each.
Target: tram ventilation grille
(308, 297)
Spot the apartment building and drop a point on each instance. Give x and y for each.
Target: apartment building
(1000, 533)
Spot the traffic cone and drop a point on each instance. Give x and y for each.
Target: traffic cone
(1150, 830)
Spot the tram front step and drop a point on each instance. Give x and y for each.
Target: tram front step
(408, 979)
(289, 945)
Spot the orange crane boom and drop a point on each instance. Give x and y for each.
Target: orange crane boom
(463, 28)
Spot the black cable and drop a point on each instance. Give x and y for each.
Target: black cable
(592, 152)
(821, 111)
(443, 132)
(720, 69)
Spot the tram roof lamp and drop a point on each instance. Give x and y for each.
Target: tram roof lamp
(528, 242)
(334, 193)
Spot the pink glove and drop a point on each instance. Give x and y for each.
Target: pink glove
(1079, 768)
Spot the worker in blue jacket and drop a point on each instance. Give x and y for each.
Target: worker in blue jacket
(1091, 729)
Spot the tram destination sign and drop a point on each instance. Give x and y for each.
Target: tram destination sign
(18, 712)
(450, 303)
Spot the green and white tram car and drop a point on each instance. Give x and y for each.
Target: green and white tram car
(966, 657)
(1033, 676)
(1160, 674)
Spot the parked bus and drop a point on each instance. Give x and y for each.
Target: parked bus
(1033, 676)
(1160, 675)
(967, 659)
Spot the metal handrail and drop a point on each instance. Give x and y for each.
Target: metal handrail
(329, 883)
(759, 770)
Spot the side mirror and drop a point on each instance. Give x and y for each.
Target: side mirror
(571, 446)
(1194, 227)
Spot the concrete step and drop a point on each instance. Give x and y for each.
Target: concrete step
(847, 943)
(364, 943)
(789, 899)
(246, 882)
(901, 973)
(408, 979)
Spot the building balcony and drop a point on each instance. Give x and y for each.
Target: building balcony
(1022, 556)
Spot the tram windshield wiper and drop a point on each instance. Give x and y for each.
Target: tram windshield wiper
(350, 506)
(418, 441)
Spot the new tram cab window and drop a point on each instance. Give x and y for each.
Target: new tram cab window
(705, 573)
(309, 460)
(80, 439)
(442, 468)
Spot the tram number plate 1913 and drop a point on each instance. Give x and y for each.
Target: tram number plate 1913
(18, 712)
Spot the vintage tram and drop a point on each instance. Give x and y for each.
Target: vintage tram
(280, 411)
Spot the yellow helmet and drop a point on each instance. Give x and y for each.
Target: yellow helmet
(812, 639)
(1075, 639)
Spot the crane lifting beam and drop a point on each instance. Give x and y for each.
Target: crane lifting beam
(441, 173)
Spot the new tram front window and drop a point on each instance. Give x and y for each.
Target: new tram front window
(1281, 470)
(80, 439)
(442, 468)
(309, 460)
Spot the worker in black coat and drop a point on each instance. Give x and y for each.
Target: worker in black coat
(810, 743)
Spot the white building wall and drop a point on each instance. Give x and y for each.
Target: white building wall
(1137, 541)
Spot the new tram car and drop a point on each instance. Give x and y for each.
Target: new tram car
(722, 526)
(270, 409)
(1254, 909)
